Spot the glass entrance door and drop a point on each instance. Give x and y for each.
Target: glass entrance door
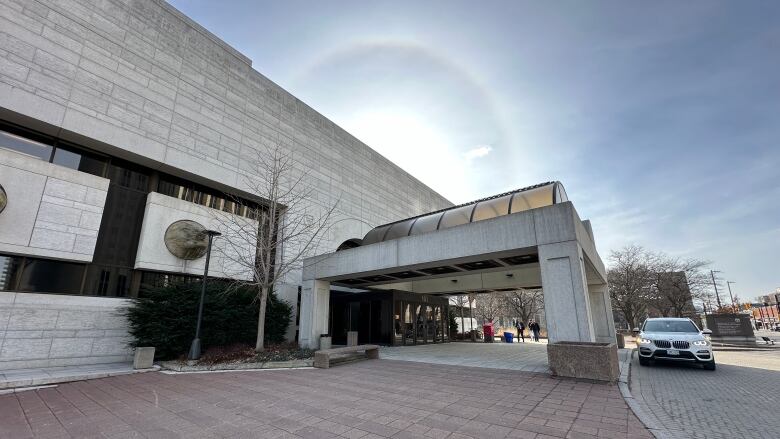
(430, 325)
(420, 326)
(438, 335)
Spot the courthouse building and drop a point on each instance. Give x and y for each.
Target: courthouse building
(119, 118)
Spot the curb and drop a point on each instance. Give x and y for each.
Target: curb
(648, 419)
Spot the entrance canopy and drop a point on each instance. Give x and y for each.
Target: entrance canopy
(547, 246)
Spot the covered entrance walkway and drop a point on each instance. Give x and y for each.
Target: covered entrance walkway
(529, 238)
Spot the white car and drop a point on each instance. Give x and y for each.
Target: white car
(674, 339)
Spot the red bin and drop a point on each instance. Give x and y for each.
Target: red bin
(487, 330)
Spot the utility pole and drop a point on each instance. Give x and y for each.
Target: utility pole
(728, 284)
(717, 296)
(777, 305)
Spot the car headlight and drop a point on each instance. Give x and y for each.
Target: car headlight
(700, 343)
(643, 341)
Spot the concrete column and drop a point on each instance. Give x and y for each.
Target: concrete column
(315, 305)
(566, 299)
(601, 313)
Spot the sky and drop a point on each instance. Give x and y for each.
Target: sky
(661, 119)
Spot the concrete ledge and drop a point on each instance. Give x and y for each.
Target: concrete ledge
(12, 380)
(585, 360)
(179, 366)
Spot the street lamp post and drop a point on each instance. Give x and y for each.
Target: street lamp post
(728, 284)
(717, 296)
(195, 346)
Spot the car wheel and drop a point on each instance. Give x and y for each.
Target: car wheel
(710, 365)
(644, 361)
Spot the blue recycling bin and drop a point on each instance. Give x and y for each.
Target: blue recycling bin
(508, 336)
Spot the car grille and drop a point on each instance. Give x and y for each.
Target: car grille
(681, 344)
(666, 344)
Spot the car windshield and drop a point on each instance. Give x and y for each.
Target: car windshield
(670, 326)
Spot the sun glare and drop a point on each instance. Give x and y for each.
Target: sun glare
(420, 149)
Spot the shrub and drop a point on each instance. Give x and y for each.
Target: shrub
(166, 317)
(452, 322)
(278, 315)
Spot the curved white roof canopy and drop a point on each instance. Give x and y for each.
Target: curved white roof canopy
(531, 197)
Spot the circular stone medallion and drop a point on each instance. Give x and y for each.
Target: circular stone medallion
(3, 198)
(186, 239)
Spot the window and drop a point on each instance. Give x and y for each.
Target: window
(208, 197)
(25, 146)
(63, 155)
(47, 276)
(669, 326)
(492, 208)
(399, 230)
(79, 160)
(107, 281)
(533, 198)
(150, 279)
(10, 267)
(426, 224)
(456, 217)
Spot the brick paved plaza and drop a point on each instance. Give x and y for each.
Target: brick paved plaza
(739, 399)
(369, 399)
(527, 357)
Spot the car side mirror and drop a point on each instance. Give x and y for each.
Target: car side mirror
(706, 332)
(635, 330)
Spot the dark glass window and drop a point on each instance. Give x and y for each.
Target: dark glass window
(399, 230)
(183, 190)
(669, 326)
(426, 224)
(10, 266)
(56, 277)
(25, 146)
(107, 281)
(122, 216)
(151, 279)
(79, 160)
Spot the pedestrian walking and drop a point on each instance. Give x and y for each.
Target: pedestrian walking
(520, 330)
(534, 327)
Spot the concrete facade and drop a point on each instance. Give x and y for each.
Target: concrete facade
(161, 211)
(52, 211)
(139, 81)
(38, 330)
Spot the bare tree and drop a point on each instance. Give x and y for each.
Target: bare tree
(490, 306)
(461, 301)
(525, 303)
(287, 227)
(630, 280)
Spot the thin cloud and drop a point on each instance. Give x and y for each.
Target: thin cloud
(480, 151)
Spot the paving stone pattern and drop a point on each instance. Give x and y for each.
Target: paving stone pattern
(737, 400)
(369, 399)
(528, 357)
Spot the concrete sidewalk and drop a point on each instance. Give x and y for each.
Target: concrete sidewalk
(19, 378)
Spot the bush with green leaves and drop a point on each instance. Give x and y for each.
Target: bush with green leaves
(165, 318)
